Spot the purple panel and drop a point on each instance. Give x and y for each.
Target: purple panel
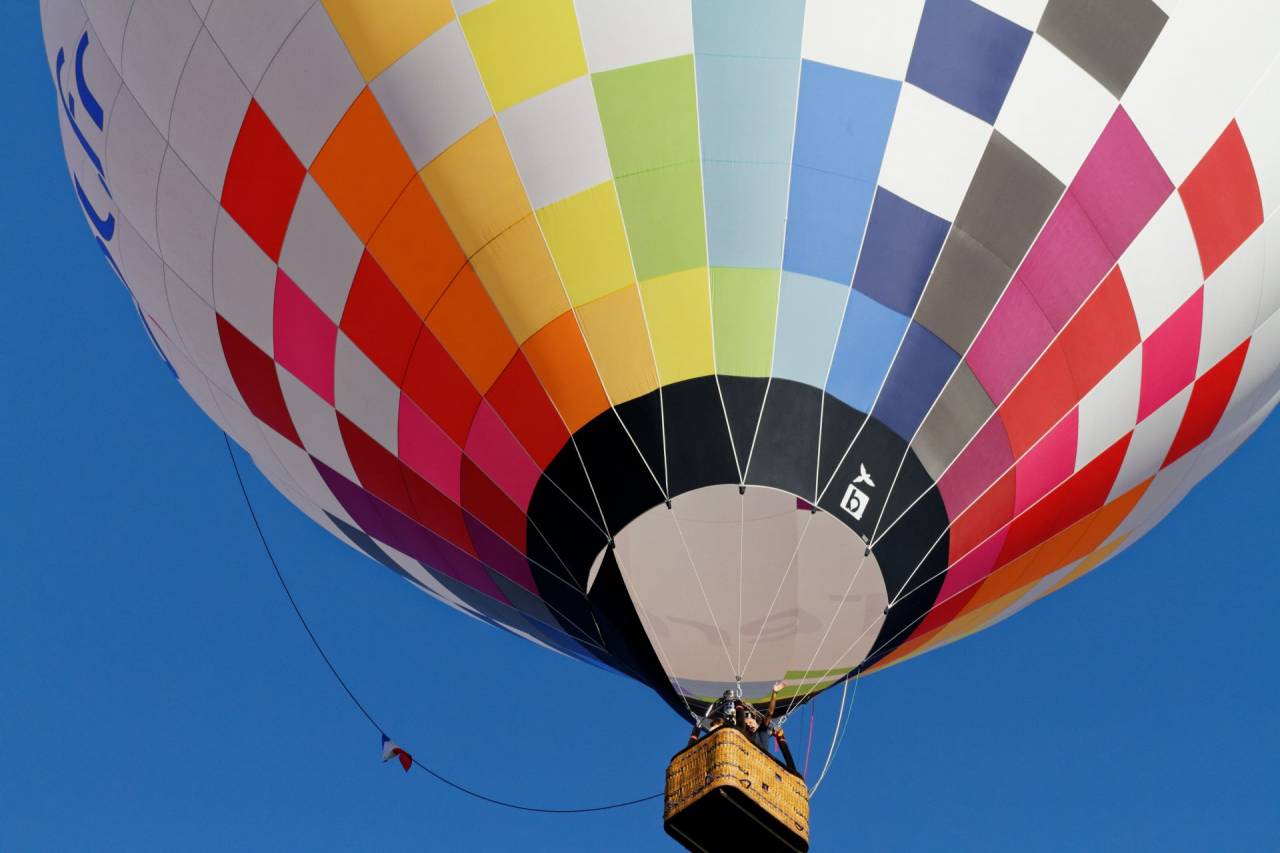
(1069, 259)
(1014, 336)
(898, 252)
(982, 463)
(1121, 184)
(388, 525)
(498, 553)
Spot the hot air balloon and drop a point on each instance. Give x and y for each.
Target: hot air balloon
(714, 342)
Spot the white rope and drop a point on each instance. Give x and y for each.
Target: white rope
(842, 725)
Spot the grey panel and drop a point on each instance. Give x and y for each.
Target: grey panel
(1009, 200)
(959, 413)
(1108, 38)
(965, 285)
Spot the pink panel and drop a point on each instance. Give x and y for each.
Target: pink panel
(1013, 338)
(1051, 461)
(303, 337)
(1121, 185)
(980, 464)
(1069, 259)
(428, 450)
(492, 447)
(1169, 356)
(498, 554)
(974, 566)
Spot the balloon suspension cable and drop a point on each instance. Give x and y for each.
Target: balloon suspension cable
(842, 726)
(360, 705)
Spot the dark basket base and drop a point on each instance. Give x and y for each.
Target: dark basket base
(726, 819)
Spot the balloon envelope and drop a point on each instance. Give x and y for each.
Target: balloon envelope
(713, 342)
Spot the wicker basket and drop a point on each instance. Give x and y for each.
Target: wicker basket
(723, 793)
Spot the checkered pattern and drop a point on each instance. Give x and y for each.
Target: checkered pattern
(403, 251)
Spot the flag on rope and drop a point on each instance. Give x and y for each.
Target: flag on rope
(390, 751)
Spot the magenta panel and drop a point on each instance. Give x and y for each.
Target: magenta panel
(1121, 184)
(1069, 259)
(974, 566)
(303, 337)
(1014, 336)
(428, 450)
(1051, 461)
(492, 447)
(978, 466)
(1169, 356)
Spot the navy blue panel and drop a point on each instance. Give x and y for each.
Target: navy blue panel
(922, 368)
(967, 56)
(898, 252)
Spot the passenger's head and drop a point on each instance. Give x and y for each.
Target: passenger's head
(752, 724)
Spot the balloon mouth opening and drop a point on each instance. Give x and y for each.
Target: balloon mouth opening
(740, 587)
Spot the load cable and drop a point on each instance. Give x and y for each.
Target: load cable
(360, 705)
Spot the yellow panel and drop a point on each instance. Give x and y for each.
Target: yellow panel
(377, 34)
(523, 47)
(679, 310)
(587, 240)
(476, 186)
(520, 278)
(619, 344)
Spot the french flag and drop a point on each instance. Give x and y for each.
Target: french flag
(390, 751)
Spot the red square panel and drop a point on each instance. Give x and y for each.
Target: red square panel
(1101, 334)
(255, 376)
(263, 180)
(379, 320)
(440, 388)
(376, 467)
(1222, 199)
(524, 407)
(1209, 400)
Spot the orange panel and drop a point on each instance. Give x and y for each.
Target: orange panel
(363, 167)
(472, 331)
(416, 249)
(560, 358)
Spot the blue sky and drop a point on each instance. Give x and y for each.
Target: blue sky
(156, 692)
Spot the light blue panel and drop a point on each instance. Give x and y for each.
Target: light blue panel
(745, 204)
(765, 28)
(842, 129)
(868, 339)
(747, 107)
(809, 311)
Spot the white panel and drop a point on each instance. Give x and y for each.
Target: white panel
(108, 19)
(1109, 410)
(247, 431)
(1205, 62)
(618, 33)
(133, 155)
(1231, 302)
(156, 45)
(933, 152)
(1024, 13)
(555, 164)
(317, 425)
(309, 84)
(1161, 267)
(302, 471)
(1054, 111)
(207, 115)
(251, 31)
(433, 94)
(1269, 302)
(461, 7)
(198, 328)
(201, 7)
(1150, 443)
(872, 36)
(145, 273)
(244, 283)
(367, 397)
(1259, 121)
(187, 215)
(321, 252)
(198, 388)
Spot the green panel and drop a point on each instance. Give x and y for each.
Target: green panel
(744, 305)
(663, 214)
(649, 113)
